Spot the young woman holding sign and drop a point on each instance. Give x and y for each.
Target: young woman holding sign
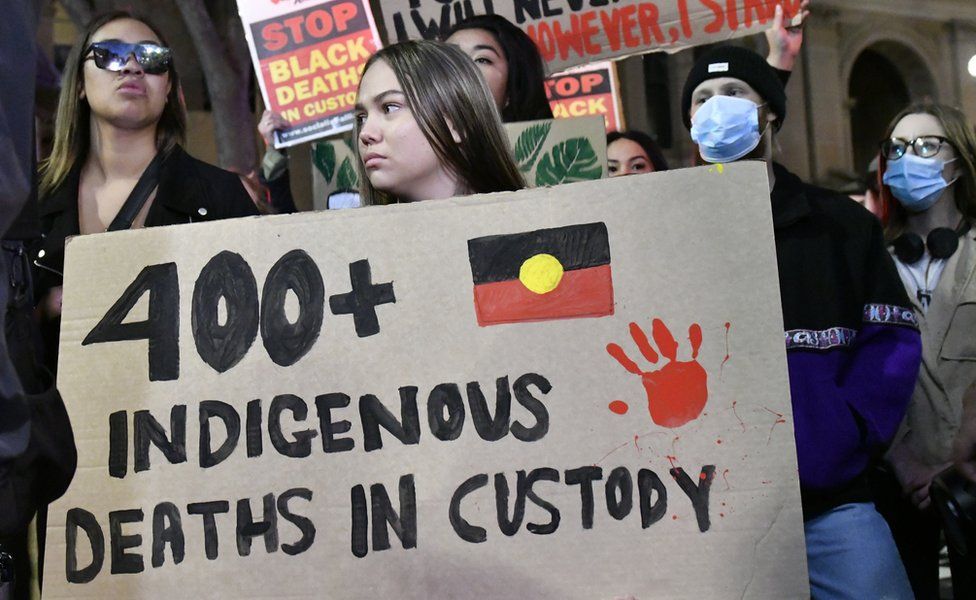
(117, 161)
(427, 128)
(510, 63)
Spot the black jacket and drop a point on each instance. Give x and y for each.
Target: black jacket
(852, 342)
(190, 191)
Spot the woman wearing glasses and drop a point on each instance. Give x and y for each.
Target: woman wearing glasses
(928, 167)
(116, 161)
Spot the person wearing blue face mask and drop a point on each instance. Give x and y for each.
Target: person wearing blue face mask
(928, 166)
(852, 343)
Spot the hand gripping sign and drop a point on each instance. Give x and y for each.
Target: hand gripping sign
(309, 57)
(438, 400)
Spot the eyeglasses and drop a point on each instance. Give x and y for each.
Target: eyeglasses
(113, 55)
(925, 146)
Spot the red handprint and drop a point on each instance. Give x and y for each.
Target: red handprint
(677, 392)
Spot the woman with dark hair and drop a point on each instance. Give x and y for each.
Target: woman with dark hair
(633, 153)
(427, 128)
(116, 161)
(928, 167)
(511, 65)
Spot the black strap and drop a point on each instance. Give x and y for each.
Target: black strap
(140, 194)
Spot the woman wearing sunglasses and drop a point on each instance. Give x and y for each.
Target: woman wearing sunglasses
(116, 160)
(928, 168)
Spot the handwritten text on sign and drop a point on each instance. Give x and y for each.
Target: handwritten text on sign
(265, 398)
(574, 32)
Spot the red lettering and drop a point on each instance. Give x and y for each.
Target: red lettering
(757, 7)
(627, 15)
(731, 14)
(273, 38)
(685, 18)
(588, 81)
(647, 16)
(319, 24)
(611, 25)
(542, 36)
(715, 25)
(343, 13)
(567, 86)
(589, 31)
(568, 40)
(295, 25)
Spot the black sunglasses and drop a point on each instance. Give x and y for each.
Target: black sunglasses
(113, 55)
(925, 146)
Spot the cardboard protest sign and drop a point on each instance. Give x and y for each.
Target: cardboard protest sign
(589, 90)
(309, 57)
(576, 32)
(548, 152)
(567, 392)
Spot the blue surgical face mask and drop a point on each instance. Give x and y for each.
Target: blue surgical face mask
(916, 182)
(726, 128)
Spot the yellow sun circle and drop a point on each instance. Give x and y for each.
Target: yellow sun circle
(541, 273)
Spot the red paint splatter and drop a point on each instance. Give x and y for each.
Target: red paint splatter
(721, 515)
(779, 419)
(671, 460)
(725, 476)
(728, 353)
(619, 407)
(674, 517)
(637, 437)
(718, 442)
(678, 391)
(611, 452)
(741, 422)
(703, 476)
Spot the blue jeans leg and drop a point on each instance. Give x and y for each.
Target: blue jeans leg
(851, 555)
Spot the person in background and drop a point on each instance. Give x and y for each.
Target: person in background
(116, 161)
(928, 168)
(510, 63)
(426, 128)
(273, 173)
(633, 153)
(852, 342)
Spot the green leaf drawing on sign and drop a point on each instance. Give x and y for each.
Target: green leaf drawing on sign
(529, 145)
(324, 157)
(348, 141)
(569, 161)
(347, 179)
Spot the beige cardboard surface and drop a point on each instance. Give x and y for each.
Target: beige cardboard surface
(575, 32)
(685, 247)
(548, 152)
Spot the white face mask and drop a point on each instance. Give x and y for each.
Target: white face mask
(726, 128)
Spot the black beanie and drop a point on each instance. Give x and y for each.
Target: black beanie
(740, 63)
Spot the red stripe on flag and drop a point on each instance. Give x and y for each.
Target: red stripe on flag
(581, 293)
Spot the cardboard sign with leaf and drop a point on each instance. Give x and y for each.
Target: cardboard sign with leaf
(568, 392)
(548, 152)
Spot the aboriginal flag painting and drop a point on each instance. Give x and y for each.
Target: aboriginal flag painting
(542, 275)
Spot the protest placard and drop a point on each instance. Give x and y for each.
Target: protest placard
(576, 32)
(548, 152)
(309, 57)
(589, 90)
(567, 392)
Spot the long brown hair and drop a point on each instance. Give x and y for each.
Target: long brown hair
(962, 136)
(444, 88)
(71, 126)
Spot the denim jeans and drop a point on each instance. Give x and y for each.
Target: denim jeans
(851, 555)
